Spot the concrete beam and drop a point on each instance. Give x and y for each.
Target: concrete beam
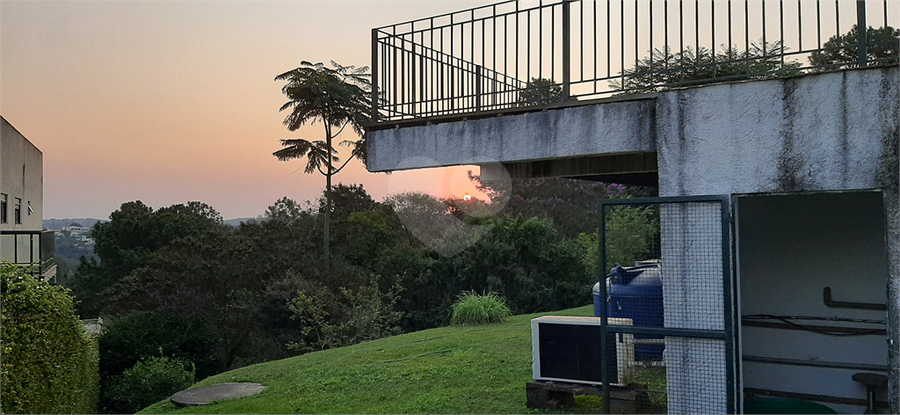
(593, 129)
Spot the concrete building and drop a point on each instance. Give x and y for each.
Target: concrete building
(22, 238)
(778, 197)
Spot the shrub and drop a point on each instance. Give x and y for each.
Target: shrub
(473, 308)
(149, 381)
(49, 361)
(129, 338)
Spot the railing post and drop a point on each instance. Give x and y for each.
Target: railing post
(374, 75)
(478, 76)
(861, 33)
(567, 50)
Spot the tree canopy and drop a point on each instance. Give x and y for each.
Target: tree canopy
(337, 97)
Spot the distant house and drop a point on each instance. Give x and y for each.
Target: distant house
(22, 238)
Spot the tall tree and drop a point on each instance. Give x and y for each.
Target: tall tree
(337, 97)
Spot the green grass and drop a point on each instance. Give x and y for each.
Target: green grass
(457, 369)
(473, 308)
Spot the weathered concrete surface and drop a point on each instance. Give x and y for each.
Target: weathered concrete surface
(817, 132)
(615, 127)
(205, 395)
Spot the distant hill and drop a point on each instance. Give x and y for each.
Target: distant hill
(237, 222)
(59, 224)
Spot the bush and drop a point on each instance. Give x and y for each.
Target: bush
(472, 308)
(49, 361)
(149, 381)
(129, 338)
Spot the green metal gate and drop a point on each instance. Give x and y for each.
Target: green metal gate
(670, 305)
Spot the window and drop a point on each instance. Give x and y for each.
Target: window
(17, 213)
(4, 200)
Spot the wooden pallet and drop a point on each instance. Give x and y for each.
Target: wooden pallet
(554, 395)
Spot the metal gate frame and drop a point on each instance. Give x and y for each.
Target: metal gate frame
(729, 293)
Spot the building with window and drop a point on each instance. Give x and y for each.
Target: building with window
(22, 238)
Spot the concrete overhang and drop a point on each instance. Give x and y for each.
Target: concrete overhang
(583, 139)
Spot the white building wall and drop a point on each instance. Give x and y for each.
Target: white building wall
(21, 176)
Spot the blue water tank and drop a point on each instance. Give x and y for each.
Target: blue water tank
(635, 293)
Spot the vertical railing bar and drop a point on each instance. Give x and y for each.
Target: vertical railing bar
(818, 24)
(712, 5)
(469, 88)
(540, 39)
(505, 44)
(518, 29)
(698, 61)
(747, 34)
(681, 37)
(412, 76)
(861, 33)
(666, 35)
(608, 41)
(622, 39)
(799, 24)
(764, 29)
(781, 22)
(567, 50)
(394, 83)
(837, 17)
(581, 38)
(450, 92)
(730, 30)
(553, 43)
(528, 47)
(374, 51)
(636, 36)
(423, 69)
(594, 45)
(650, 12)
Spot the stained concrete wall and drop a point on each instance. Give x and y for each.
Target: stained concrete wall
(818, 132)
(616, 127)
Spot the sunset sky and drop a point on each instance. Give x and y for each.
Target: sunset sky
(169, 102)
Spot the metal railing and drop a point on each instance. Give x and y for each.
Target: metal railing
(29, 247)
(520, 53)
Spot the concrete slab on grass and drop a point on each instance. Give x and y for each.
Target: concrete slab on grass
(222, 392)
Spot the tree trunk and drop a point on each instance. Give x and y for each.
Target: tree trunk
(330, 170)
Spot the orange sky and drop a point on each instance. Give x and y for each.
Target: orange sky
(168, 102)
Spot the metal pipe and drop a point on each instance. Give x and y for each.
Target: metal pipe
(815, 363)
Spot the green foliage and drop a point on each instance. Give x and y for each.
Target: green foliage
(350, 317)
(632, 234)
(49, 363)
(842, 51)
(150, 380)
(132, 337)
(540, 91)
(128, 241)
(525, 260)
(665, 68)
(474, 308)
(338, 98)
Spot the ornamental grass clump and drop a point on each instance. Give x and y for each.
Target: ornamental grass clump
(474, 308)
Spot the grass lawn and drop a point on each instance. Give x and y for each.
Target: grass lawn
(459, 369)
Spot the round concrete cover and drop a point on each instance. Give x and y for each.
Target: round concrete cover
(221, 392)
